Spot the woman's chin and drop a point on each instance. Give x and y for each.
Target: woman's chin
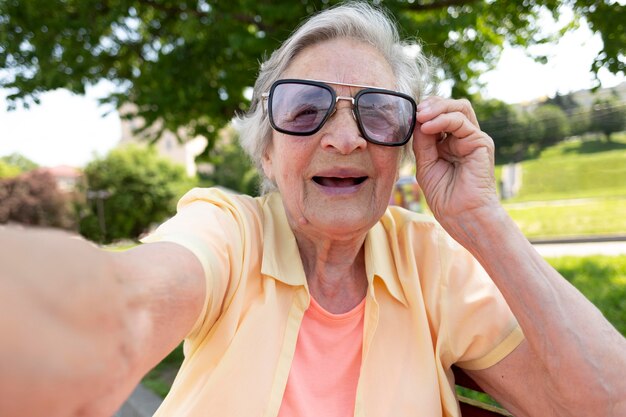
(340, 224)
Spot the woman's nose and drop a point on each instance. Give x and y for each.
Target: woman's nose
(341, 131)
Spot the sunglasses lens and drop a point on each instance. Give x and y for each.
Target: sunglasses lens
(299, 108)
(386, 118)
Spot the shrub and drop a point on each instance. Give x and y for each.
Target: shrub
(129, 190)
(34, 199)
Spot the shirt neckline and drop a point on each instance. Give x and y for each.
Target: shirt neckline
(356, 311)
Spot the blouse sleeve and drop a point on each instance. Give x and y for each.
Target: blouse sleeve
(478, 326)
(204, 224)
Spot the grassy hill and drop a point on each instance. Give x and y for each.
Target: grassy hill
(575, 188)
(576, 169)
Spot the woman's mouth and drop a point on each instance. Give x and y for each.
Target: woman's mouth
(339, 182)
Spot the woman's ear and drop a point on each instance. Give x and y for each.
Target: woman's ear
(266, 163)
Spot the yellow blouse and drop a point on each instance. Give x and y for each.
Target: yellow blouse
(429, 305)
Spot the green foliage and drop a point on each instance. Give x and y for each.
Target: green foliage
(567, 103)
(137, 189)
(579, 121)
(577, 117)
(232, 168)
(19, 161)
(8, 171)
(160, 378)
(520, 135)
(15, 164)
(608, 116)
(602, 279)
(507, 128)
(554, 126)
(188, 62)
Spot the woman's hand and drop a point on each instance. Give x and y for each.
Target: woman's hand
(455, 160)
(568, 342)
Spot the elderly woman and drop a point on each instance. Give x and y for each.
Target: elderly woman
(317, 299)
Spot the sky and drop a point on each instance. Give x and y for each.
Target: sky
(67, 129)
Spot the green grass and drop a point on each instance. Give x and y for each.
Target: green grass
(574, 176)
(602, 279)
(575, 188)
(570, 217)
(120, 246)
(576, 169)
(160, 378)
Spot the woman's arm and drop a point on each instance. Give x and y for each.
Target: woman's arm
(80, 326)
(573, 361)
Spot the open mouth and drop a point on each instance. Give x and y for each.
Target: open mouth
(339, 182)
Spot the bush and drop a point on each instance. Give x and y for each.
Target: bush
(34, 199)
(129, 190)
(8, 171)
(608, 116)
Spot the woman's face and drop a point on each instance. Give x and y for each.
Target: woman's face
(333, 183)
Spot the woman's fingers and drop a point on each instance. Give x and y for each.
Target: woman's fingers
(454, 158)
(446, 130)
(434, 106)
(455, 123)
(448, 127)
(425, 145)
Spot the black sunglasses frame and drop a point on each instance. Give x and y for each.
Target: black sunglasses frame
(329, 112)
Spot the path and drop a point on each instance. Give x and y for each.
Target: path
(141, 403)
(611, 248)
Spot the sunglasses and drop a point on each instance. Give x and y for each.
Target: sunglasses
(301, 107)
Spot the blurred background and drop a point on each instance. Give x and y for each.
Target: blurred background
(110, 110)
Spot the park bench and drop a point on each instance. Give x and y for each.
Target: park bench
(471, 407)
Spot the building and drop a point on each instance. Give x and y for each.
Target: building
(167, 145)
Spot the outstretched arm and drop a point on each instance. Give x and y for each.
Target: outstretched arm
(573, 361)
(80, 326)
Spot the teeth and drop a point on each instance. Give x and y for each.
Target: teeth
(338, 182)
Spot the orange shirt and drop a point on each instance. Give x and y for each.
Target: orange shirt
(428, 305)
(325, 368)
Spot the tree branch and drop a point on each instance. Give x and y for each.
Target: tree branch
(438, 4)
(175, 11)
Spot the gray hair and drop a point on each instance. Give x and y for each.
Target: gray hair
(353, 20)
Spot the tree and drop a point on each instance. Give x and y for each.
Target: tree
(535, 130)
(577, 117)
(129, 190)
(7, 170)
(20, 161)
(230, 166)
(187, 63)
(554, 125)
(608, 116)
(15, 164)
(34, 199)
(506, 127)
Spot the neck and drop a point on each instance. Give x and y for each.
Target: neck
(335, 271)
